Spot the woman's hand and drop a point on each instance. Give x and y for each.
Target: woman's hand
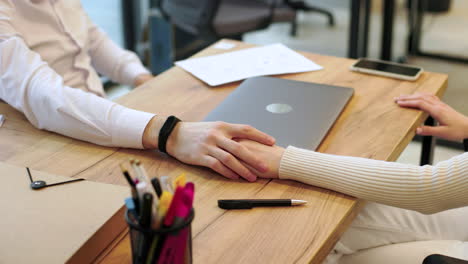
(452, 124)
(214, 145)
(141, 79)
(271, 155)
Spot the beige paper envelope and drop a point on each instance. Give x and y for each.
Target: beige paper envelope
(65, 223)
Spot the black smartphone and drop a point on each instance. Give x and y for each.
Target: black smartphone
(388, 69)
(441, 259)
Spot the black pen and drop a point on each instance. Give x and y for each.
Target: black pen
(250, 203)
(145, 223)
(127, 176)
(157, 186)
(132, 187)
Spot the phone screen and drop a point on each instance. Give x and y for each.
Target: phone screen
(385, 67)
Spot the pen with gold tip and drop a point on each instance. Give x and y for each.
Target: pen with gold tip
(250, 203)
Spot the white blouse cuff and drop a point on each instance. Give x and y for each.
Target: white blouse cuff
(129, 127)
(131, 71)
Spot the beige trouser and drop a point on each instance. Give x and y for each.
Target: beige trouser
(384, 234)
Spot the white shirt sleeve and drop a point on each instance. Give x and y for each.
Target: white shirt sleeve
(427, 189)
(119, 65)
(29, 85)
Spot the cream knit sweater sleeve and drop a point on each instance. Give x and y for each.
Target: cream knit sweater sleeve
(427, 189)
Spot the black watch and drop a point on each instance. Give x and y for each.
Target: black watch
(465, 143)
(166, 131)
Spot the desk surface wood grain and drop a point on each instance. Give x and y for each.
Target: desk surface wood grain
(371, 126)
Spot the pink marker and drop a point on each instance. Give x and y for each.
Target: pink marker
(174, 246)
(182, 243)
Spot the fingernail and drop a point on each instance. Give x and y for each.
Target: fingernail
(418, 130)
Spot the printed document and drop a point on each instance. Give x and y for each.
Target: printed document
(239, 65)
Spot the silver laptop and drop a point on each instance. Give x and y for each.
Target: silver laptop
(295, 113)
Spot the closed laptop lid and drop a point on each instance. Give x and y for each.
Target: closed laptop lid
(295, 113)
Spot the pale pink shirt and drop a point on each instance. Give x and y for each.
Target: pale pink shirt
(50, 53)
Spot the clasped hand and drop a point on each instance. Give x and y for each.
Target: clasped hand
(214, 145)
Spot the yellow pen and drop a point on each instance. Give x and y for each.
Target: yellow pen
(164, 203)
(180, 181)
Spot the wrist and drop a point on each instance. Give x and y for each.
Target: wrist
(278, 154)
(151, 133)
(465, 128)
(172, 139)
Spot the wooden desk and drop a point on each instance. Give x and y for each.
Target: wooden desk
(371, 126)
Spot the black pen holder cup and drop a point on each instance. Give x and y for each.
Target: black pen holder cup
(162, 245)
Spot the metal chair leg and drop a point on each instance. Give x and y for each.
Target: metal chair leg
(294, 28)
(428, 144)
(331, 18)
(301, 5)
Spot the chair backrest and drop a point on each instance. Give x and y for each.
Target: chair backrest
(192, 16)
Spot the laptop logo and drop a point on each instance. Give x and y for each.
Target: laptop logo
(279, 108)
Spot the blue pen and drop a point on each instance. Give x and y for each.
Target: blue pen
(130, 204)
(133, 217)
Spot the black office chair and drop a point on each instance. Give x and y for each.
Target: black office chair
(231, 18)
(215, 19)
(198, 24)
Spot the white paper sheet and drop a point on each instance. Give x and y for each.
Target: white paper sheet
(238, 65)
(224, 45)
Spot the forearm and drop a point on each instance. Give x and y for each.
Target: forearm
(426, 189)
(85, 116)
(29, 85)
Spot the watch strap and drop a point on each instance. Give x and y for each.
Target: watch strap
(166, 131)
